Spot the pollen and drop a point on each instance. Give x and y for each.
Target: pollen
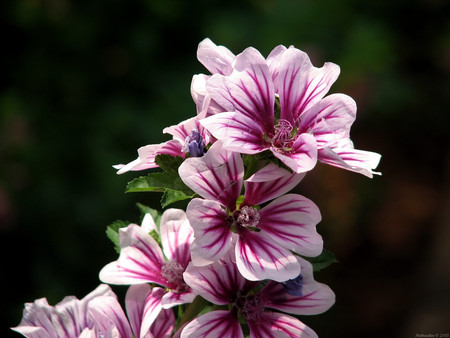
(172, 271)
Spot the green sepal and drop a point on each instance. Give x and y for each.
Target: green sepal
(153, 234)
(255, 162)
(194, 309)
(325, 259)
(112, 232)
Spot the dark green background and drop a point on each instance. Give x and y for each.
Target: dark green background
(85, 83)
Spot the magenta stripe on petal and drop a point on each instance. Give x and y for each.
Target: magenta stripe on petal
(140, 259)
(259, 257)
(216, 282)
(237, 132)
(330, 119)
(291, 221)
(277, 181)
(214, 324)
(109, 316)
(212, 233)
(273, 324)
(299, 84)
(248, 90)
(176, 236)
(143, 305)
(316, 297)
(217, 176)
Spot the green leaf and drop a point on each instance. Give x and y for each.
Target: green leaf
(151, 182)
(320, 262)
(171, 196)
(112, 231)
(156, 237)
(168, 162)
(156, 214)
(168, 181)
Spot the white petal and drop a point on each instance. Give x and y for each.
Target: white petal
(259, 257)
(176, 236)
(213, 324)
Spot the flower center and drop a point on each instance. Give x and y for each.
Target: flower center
(194, 144)
(244, 218)
(294, 286)
(172, 271)
(284, 137)
(247, 217)
(251, 308)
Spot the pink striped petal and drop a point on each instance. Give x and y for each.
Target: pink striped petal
(291, 221)
(216, 282)
(183, 130)
(171, 299)
(176, 236)
(217, 175)
(273, 61)
(276, 325)
(69, 318)
(37, 321)
(199, 95)
(299, 84)
(140, 259)
(302, 157)
(148, 224)
(237, 132)
(145, 160)
(86, 333)
(269, 183)
(259, 257)
(359, 161)
(330, 119)
(163, 325)
(109, 317)
(205, 105)
(248, 90)
(217, 59)
(214, 324)
(212, 234)
(143, 306)
(316, 297)
(147, 154)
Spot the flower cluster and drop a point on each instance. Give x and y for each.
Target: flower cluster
(239, 261)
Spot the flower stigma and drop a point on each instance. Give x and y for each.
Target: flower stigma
(284, 137)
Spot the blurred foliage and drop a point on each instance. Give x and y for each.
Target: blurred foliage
(85, 83)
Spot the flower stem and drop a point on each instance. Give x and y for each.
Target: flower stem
(250, 165)
(193, 310)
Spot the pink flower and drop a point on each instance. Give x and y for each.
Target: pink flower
(278, 104)
(218, 60)
(141, 259)
(99, 314)
(222, 284)
(262, 238)
(189, 138)
(144, 309)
